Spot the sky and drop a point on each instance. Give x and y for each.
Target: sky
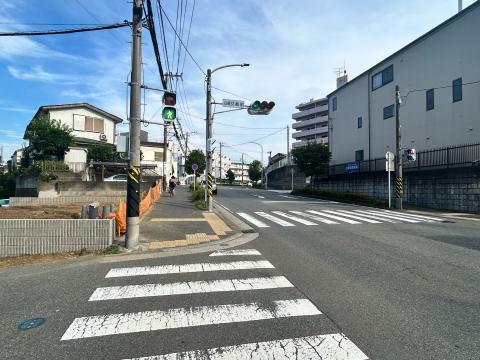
(293, 48)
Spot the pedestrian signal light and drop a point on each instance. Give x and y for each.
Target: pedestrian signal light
(169, 113)
(169, 98)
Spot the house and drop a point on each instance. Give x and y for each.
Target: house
(90, 125)
(16, 159)
(438, 78)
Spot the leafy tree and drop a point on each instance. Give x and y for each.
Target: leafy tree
(195, 157)
(49, 139)
(255, 170)
(230, 176)
(312, 159)
(102, 152)
(7, 185)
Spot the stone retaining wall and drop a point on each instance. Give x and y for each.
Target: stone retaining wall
(32, 236)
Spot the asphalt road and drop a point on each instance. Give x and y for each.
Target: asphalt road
(335, 283)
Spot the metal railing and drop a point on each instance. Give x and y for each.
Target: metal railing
(447, 157)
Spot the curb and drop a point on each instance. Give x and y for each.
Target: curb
(226, 214)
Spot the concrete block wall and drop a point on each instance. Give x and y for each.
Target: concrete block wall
(32, 236)
(86, 199)
(281, 179)
(446, 189)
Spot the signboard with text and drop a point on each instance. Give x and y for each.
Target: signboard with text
(233, 103)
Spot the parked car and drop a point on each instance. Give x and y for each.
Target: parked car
(119, 177)
(214, 186)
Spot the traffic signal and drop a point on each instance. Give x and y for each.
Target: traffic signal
(169, 112)
(260, 108)
(410, 154)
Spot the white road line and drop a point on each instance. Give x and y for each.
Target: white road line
(113, 324)
(313, 217)
(348, 221)
(189, 268)
(328, 347)
(415, 216)
(254, 221)
(274, 218)
(372, 216)
(236, 252)
(188, 287)
(382, 214)
(294, 218)
(288, 197)
(354, 216)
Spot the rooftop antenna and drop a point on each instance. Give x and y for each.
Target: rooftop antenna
(460, 5)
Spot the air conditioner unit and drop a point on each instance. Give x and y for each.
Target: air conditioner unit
(103, 137)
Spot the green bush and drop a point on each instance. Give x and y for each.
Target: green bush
(7, 186)
(198, 194)
(112, 249)
(340, 195)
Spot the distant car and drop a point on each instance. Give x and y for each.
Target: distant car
(214, 187)
(119, 177)
(249, 184)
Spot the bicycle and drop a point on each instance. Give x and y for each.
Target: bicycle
(171, 191)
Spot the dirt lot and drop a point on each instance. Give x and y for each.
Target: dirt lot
(67, 211)
(39, 259)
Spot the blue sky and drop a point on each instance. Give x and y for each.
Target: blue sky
(293, 48)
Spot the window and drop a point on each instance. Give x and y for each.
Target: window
(334, 104)
(457, 90)
(359, 122)
(158, 156)
(359, 155)
(430, 99)
(94, 124)
(382, 78)
(388, 111)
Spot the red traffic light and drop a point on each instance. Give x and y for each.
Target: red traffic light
(169, 98)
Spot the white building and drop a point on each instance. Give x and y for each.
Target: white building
(238, 169)
(17, 158)
(152, 154)
(438, 76)
(90, 125)
(311, 122)
(220, 168)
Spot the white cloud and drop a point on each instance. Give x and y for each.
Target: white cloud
(16, 109)
(37, 73)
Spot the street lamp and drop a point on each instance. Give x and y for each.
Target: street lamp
(209, 123)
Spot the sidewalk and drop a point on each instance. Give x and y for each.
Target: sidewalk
(175, 221)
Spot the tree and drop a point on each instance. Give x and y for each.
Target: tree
(230, 176)
(49, 139)
(195, 157)
(312, 159)
(255, 170)
(102, 152)
(7, 185)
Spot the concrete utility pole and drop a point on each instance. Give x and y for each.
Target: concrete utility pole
(289, 160)
(165, 149)
(242, 169)
(398, 163)
(221, 144)
(209, 123)
(134, 170)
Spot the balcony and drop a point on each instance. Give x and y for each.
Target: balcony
(300, 124)
(309, 111)
(305, 133)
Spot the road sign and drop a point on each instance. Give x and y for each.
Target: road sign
(194, 167)
(352, 167)
(389, 164)
(233, 103)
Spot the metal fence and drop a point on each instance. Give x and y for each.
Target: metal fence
(447, 157)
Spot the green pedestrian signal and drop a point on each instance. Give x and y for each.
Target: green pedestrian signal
(169, 113)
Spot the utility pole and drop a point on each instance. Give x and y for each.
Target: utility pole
(289, 160)
(221, 144)
(134, 170)
(398, 163)
(242, 169)
(209, 120)
(165, 149)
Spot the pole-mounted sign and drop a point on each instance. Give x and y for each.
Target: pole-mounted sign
(389, 166)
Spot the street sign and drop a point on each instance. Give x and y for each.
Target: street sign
(194, 167)
(233, 103)
(352, 167)
(389, 164)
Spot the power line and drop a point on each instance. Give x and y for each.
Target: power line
(66, 31)
(260, 138)
(181, 42)
(53, 24)
(442, 87)
(230, 93)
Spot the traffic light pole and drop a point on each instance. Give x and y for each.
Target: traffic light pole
(398, 163)
(134, 170)
(209, 120)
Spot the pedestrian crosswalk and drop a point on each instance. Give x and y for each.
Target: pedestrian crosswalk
(263, 219)
(272, 299)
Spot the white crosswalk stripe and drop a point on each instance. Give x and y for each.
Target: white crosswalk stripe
(275, 219)
(295, 218)
(337, 216)
(254, 221)
(310, 347)
(353, 217)
(189, 287)
(267, 307)
(314, 217)
(189, 268)
(236, 252)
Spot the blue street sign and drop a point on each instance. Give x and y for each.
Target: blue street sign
(352, 167)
